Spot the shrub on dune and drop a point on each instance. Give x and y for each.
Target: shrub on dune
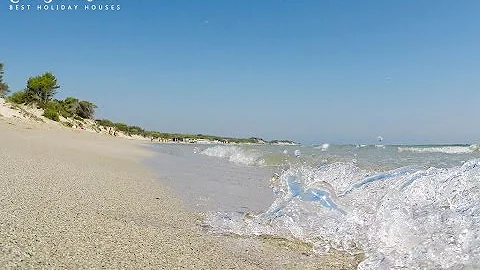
(18, 97)
(51, 113)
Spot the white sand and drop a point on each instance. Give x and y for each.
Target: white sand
(74, 199)
(6, 111)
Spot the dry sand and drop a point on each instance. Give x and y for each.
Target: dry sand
(73, 199)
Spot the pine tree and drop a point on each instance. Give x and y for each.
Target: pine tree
(3, 85)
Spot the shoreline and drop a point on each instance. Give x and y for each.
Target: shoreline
(83, 200)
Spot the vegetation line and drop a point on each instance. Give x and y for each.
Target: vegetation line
(40, 91)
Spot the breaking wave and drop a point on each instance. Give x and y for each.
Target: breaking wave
(409, 218)
(440, 149)
(235, 154)
(323, 147)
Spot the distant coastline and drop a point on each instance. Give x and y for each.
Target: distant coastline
(34, 113)
(185, 138)
(37, 102)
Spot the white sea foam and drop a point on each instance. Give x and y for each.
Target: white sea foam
(475, 147)
(439, 149)
(323, 147)
(406, 218)
(235, 154)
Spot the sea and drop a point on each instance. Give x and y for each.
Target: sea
(402, 206)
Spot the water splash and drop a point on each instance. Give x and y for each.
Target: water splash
(323, 147)
(409, 218)
(235, 154)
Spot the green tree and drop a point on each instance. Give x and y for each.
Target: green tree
(41, 89)
(121, 126)
(71, 105)
(105, 122)
(83, 109)
(59, 107)
(86, 109)
(3, 85)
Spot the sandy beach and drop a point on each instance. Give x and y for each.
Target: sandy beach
(74, 199)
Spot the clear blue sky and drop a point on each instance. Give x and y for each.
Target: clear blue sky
(312, 71)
